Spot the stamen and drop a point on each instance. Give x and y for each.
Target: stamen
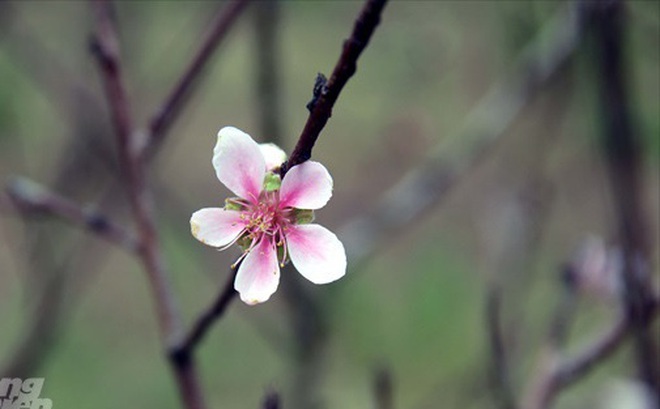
(283, 240)
(238, 260)
(255, 199)
(226, 246)
(237, 201)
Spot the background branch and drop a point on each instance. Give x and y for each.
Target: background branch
(171, 107)
(624, 160)
(499, 368)
(55, 257)
(542, 388)
(428, 183)
(181, 354)
(560, 373)
(271, 401)
(383, 387)
(573, 369)
(33, 198)
(106, 47)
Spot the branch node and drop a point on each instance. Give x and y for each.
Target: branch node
(320, 89)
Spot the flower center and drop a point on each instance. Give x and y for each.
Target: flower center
(264, 220)
(268, 218)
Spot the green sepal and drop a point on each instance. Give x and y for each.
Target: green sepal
(272, 182)
(244, 242)
(304, 216)
(230, 204)
(280, 256)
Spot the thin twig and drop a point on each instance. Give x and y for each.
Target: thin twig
(624, 160)
(167, 113)
(430, 182)
(106, 47)
(183, 353)
(33, 198)
(499, 368)
(533, 71)
(266, 22)
(383, 387)
(345, 68)
(564, 372)
(364, 27)
(86, 160)
(572, 369)
(271, 401)
(542, 388)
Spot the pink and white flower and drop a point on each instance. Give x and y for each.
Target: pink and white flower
(269, 218)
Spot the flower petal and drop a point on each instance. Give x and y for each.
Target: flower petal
(258, 274)
(316, 252)
(215, 226)
(273, 155)
(238, 163)
(306, 186)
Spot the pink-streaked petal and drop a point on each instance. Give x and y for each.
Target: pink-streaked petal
(238, 163)
(306, 186)
(215, 226)
(316, 252)
(258, 274)
(273, 155)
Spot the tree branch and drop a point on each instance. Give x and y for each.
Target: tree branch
(429, 183)
(364, 27)
(106, 47)
(181, 354)
(271, 401)
(383, 389)
(624, 160)
(31, 197)
(499, 368)
(171, 107)
(542, 387)
(345, 68)
(564, 372)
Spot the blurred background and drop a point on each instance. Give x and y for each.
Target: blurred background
(468, 169)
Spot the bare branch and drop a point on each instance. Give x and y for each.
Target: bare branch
(345, 68)
(181, 354)
(499, 368)
(429, 183)
(271, 401)
(624, 160)
(364, 27)
(106, 47)
(171, 107)
(572, 369)
(33, 198)
(561, 373)
(556, 372)
(383, 389)
(542, 387)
